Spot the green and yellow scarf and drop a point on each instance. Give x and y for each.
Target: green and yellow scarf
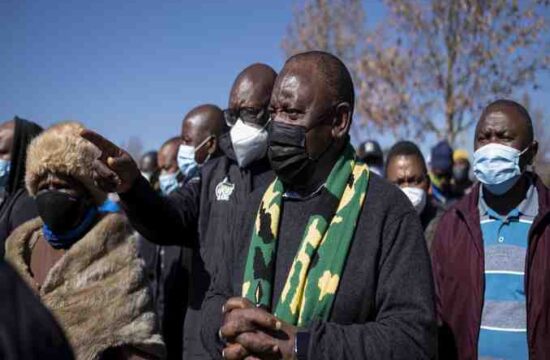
(314, 277)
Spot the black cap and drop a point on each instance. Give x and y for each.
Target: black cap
(371, 152)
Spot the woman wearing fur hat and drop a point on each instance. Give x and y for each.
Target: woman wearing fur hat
(80, 259)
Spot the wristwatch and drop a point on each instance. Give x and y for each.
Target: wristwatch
(301, 345)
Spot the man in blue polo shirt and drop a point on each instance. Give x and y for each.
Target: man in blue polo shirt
(491, 251)
(503, 331)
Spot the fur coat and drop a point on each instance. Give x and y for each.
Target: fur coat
(97, 290)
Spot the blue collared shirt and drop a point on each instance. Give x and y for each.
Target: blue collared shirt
(503, 333)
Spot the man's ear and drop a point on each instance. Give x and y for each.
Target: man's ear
(342, 120)
(534, 149)
(212, 144)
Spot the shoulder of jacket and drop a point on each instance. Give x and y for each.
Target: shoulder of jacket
(18, 247)
(387, 200)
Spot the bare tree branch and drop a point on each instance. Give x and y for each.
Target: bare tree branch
(430, 67)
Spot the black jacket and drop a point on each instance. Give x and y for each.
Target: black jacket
(17, 207)
(384, 307)
(27, 329)
(168, 269)
(198, 215)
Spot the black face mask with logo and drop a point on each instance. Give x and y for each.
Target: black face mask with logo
(288, 155)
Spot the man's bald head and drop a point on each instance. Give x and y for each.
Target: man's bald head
(330, 69)
(252, 87)
(206, 119)
(508, 123)
(168, 155)
(515, 110)
(201, 127)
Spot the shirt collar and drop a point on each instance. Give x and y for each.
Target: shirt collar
(528, 206)
(292, 195)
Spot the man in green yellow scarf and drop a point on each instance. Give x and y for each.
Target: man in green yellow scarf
(328, 262)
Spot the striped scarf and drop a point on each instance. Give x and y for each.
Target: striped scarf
(314, 277)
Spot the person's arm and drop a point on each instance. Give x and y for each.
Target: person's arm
(168, 220)
(219, 292)
(165, 221)
(404, 326)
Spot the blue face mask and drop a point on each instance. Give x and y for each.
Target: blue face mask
(186, 159)
(4, 172)
(496, 166)
(168, 182)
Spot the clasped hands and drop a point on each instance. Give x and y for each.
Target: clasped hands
(251, 333)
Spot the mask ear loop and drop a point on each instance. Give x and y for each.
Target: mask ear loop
(528, 166)
(204, 142)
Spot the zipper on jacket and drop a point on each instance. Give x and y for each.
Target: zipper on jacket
(482, 305)
(531, 237)
(482, 275)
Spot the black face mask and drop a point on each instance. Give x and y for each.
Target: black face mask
(460, 173)
(288, 156)
(60, 211)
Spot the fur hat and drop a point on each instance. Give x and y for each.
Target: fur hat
(61, 150)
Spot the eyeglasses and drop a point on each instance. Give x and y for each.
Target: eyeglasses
(248, 115)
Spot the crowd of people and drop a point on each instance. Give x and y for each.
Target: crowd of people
(260, 232)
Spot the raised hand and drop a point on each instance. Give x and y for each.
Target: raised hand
(115, 170)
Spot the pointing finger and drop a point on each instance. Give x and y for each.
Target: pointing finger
(108, 149)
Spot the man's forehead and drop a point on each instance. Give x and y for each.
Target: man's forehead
(295, 84)
(170, 147)
(8, 125)
(506, 117)
(168, 153)
(498, 116)
(244, 88)
(405, 161)
(190, 127)
(402, 166)
(196, 120)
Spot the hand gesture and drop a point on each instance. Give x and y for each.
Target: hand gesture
(115, 170)
(253, 333)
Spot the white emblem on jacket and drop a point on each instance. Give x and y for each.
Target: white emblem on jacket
(224, 190)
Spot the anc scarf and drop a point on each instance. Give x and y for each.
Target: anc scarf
(314, 277)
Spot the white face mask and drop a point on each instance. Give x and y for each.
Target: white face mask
(417, 197)
(249, 142)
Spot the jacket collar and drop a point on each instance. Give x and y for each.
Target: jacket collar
(467, 208)
(227, 147)
(544, 209)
